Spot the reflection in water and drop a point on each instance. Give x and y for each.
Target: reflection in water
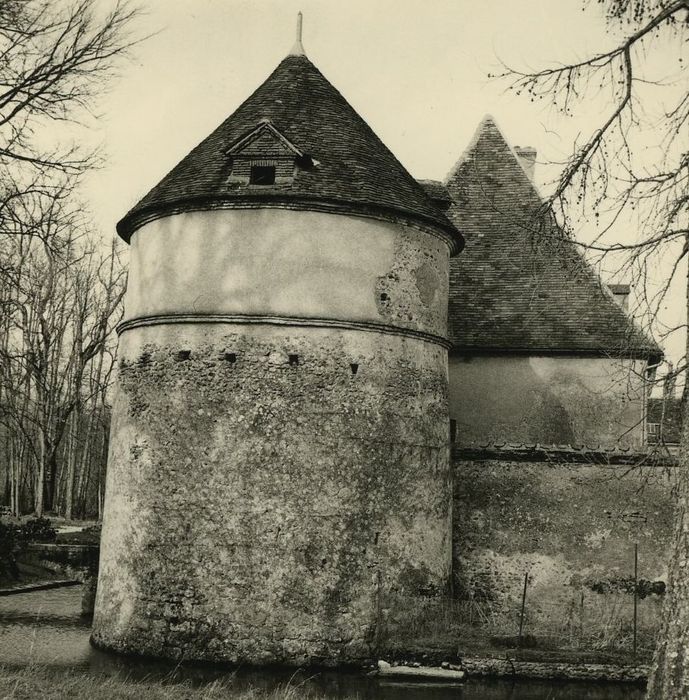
(56, 603)
(22, 644)
(45, 627)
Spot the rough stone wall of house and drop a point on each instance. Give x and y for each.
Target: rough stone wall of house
(565, 400)
(572, 528)
(270, 483)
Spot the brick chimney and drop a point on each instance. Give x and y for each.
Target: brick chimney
(621, 294)
(527, 158)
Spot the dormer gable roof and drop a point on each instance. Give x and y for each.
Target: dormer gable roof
(521, 284)
(264, 140)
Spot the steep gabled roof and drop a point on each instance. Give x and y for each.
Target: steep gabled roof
(520, 283)
(347, 168)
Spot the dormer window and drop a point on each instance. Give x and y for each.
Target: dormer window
(262, 175)
(265, 158)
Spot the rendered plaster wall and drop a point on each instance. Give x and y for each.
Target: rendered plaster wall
(275, 262)
(572, 529)
(548, 400)
(269, 489)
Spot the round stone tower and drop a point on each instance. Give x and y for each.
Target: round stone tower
(278, 483)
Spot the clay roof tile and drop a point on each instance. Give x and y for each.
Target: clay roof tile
(521, 284)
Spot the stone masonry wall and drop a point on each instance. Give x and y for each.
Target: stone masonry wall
(572, 528)
(267, 488)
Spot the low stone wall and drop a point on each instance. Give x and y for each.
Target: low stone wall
(569, 522)
(73, 560)
(483, 666)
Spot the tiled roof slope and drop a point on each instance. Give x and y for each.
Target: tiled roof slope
(438, 193)
(520, 284)
(354, 170)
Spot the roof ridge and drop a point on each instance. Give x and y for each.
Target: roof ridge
(469, 147)
(489, 119)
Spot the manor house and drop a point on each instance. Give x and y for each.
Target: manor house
(279, 486)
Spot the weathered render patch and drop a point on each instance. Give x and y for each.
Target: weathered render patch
(413, 292)
(254, 262)
(264, 496)
(565, 400)
(572, 529)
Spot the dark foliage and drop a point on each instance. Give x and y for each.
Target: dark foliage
(9, 545)
(38, 530)
(644, 588)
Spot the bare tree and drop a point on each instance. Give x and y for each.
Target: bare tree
(59, 294)
(55, 57)
(611, 178)
(99, 288)
(60, 304)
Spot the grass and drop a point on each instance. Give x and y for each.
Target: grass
(34, 682)
(597, 629)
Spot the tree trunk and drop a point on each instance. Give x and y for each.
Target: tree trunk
(669, 679)
(85, 462)
(16, 493)
(13, 458)
(50, 471)
(670, 672)
(71, 463)
(40, 476)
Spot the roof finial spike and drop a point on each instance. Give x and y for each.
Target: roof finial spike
(298, 48)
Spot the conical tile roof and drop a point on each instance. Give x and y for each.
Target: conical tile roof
(520, 284)
(352, 171)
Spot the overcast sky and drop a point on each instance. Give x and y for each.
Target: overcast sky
(415, 70)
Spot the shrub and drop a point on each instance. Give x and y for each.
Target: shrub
(38, 530)
(9, 544)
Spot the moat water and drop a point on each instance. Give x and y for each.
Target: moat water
(46, 628)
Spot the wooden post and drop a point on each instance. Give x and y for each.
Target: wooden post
(581, 618)
(636, 590)
(521, 616)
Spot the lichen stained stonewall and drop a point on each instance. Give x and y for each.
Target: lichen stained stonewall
(316, 491)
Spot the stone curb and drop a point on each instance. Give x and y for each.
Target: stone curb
(548, 670)
(58, 546)
(46, 585)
